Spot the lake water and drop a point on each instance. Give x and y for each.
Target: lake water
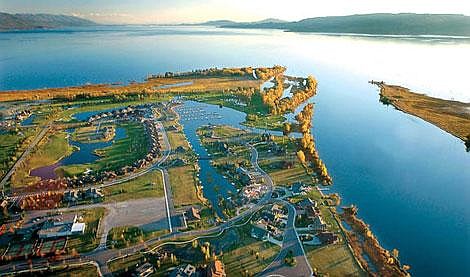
(409, 179)
(84, 153)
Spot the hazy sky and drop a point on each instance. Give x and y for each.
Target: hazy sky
(177, 11)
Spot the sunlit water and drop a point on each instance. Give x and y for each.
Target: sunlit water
(409, 179)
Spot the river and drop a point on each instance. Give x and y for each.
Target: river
(409, 179)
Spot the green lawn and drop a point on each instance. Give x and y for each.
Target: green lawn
(90, 134)
(121, 153)
(148, 185)
(13, 144)
(89, 240)
(183, 185)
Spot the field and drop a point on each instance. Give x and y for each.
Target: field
(13, 143)
(91, 134)
(125, 236)
(183, 185)
(177, 139)
(451, 116)
(121, 153)
(49, 151)
(198, 84)
(336, 260)
(89, 240)
(86, 270)
(243, 258)
(148, 185)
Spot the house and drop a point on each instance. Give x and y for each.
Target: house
(318, 224)
(71, 196)
(215, 269)
(259, 233)
(93, 193)
(185, 270)
(193, 214)
(327, 237)
(144, 270)
(302, 206)
(62, 226)
(297, 189)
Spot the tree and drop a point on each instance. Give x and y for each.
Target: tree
(287, 129)
(301, 156)
(395, 253)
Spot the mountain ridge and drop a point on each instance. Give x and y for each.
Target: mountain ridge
(28, 21)
(374, 24)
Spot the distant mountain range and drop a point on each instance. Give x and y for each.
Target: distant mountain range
(40, 21)
(374, 24)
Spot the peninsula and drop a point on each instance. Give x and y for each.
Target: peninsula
(196, 170)
(451, 116)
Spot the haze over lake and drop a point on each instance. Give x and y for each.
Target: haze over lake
(409, 179)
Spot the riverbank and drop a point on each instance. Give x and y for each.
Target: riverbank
(450, 116)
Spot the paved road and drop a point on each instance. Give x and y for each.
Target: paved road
(36, 140)
(292, 243)
(131, 176)
(174, 220)
(102, 255)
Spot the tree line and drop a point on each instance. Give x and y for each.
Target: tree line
(301, 93)
(307, 153)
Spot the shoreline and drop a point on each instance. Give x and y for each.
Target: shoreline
(450, 116)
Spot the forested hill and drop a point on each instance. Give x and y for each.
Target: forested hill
(40, 21)
(375, 24)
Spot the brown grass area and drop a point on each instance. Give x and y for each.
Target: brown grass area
(183, 185)
(199, 84)
(451, 116)
(335, 259)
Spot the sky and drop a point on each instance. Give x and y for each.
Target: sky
(193, 11)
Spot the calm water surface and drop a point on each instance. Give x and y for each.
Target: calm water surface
(409, 179)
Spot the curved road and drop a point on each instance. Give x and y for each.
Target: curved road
(291, 241)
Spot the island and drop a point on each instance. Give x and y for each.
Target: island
(200, 172)
(451, 116)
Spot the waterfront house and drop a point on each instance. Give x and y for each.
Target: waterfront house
(327, 237)
(144, 270)
(184, 270)
(215, 269)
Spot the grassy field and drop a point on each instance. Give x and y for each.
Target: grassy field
(335, 260)
(451, 116)
(13, 145)
(49, 151)
(87, 270)
(199, 84)
(183, 185)
(121, 153)
(242, 253)
(90, 134)
(286, 177)
(269, 122)
(125, 236)
(126, 262)
(89, 240)
(148, 185)
(177, 139)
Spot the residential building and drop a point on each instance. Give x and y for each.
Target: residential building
(215, 269)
